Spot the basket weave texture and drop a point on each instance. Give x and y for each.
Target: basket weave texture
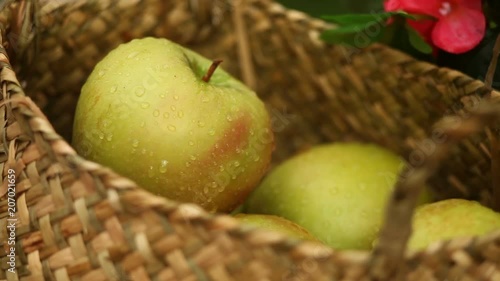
(77, 220)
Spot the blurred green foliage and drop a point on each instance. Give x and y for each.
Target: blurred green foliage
(318, 8)
(474, 63)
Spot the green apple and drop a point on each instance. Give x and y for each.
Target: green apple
(276, 224)
(159, 114)
(336, 191)
(449, 219)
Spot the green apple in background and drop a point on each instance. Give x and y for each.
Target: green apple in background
(451, 218)
(276, 224)
(336, 191)
(154, 112)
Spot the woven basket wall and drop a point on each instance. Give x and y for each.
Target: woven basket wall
(77, 220)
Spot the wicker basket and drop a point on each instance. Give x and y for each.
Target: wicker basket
(76, 220)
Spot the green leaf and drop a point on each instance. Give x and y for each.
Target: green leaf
(417, 41)
(355, 19)
(365, 19)
(353, 35)
(361, 30)
(351, 28)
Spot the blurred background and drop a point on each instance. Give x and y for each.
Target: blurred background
(318, 8)
(473, 63)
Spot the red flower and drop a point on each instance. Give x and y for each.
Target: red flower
(460, 24)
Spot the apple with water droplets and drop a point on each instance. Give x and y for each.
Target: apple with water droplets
(337, 191)
(165, 117)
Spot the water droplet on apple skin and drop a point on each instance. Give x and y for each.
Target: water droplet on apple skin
(211, 132)
(163, 166)
(191, 143)
(109, 137)
(180, 114)
(229, 118)
(113, 89)
(101, 73)
(166, 115)
(236, 163)
(201, 124)
(156, 113)
(171, 128)
(151, 172)
(145, 105)
(105, 123)
(132, 55)
(139, 92)
(172, 107)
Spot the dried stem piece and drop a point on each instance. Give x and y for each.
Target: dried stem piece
(488, 81)
(494, 135)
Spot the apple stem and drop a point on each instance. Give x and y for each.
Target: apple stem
(211, 70)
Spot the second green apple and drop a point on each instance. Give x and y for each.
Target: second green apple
(336, 191)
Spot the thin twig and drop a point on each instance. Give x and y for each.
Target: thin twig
(493, 135)
(488, 81)
(244, 52)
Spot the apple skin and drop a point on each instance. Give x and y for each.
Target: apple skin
(146, 113)
(337, 191)
(276, 224)
(451, 218)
